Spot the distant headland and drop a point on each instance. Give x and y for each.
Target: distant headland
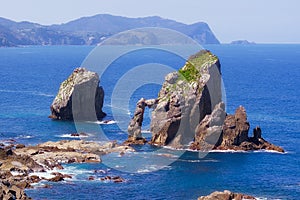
(92, 30)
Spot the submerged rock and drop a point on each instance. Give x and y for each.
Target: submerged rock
(226, 195)
(79, 97)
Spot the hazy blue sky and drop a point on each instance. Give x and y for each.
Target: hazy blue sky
(264, 21)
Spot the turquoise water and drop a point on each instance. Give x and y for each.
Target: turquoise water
(263, 78)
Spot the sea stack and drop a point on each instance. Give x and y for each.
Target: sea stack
(185, 98)
(189, 112)
(79, 97)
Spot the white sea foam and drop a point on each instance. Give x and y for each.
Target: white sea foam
(142, 171)
(146, 131)
(151, 168)
(197, 161)
(75, 171)
(25, 137)
(14, 173)
(237, 151)
(269, 151)
(104, 122)
(70, 170)
(46, 175)
(70, 136)
(228, 151)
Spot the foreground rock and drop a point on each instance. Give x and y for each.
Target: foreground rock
(226, 195)
(10, 191)
(52, 154)
(18, 164)
(79, 97)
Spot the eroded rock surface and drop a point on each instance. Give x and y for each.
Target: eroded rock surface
(235, 134)
(189, 112)
(186, 97)
(79, 97)
(17, 165)
(135, 125)
(209, 131)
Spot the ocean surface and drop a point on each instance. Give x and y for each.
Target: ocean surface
(264, 79)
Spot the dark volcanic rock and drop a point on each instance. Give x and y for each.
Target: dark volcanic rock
(226, 195)
(79, 97)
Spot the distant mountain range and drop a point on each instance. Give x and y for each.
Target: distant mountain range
(92, 30)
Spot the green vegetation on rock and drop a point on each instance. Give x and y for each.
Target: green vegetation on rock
(191, 71)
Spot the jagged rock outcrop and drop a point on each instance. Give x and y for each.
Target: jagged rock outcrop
(232, 134)
(209, 131)
(235, 134)
(186, 97)
(135, 125)
(226, 195)
(79, 97)
(235, 129)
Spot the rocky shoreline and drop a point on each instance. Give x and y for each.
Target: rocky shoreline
(18, 163)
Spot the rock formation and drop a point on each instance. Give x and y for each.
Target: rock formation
(17, 164)
(79, 97)
(189, 109)
(186, 97)
(234, 133)
(135, 125)
(226, 195)
(208, 132)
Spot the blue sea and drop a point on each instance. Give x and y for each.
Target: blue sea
(264, 79)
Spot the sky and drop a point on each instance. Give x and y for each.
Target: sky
(261, 21)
